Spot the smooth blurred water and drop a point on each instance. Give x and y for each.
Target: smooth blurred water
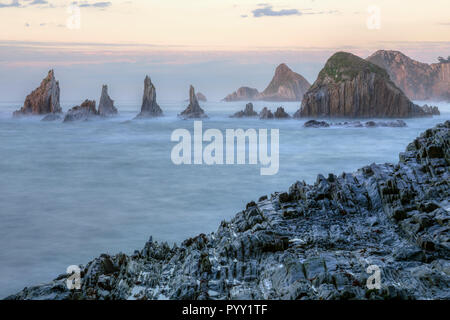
(71, 191)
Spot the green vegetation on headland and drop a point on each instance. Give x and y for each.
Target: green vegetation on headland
(346, 66)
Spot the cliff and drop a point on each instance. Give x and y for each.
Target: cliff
(351, 87)
(419, 81)
(44, 99)
(311, 242)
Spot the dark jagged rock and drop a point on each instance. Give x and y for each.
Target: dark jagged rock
(43, 100)
(286, 85)
(247, 112)
(356, 124)
(242, 94)
(193, 111)
(316, 124)
(106, 106)
(85, 111)
(419, 81)
(265, 114)
(431, 110)
(351, 87)
(281, 114)
(150, 107)
(315, 241)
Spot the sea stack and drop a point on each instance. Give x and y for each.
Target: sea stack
(150, 107)
(83, 112)
(44, 99)
(419, 81)
(243, 94)
(193, 111)
(247, 112)
(286, 85)
(281, 114)
(106, 106)
(265, 114)
(351, 87)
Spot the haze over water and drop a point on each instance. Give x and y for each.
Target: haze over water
(71, 191)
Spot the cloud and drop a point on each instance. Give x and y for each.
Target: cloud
(101, 4)
(12, 4)
(267, 11)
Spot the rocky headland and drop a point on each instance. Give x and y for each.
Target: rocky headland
(247, 112)
(150, 107)
(85, 111)
(286, 85)
(351, 87)
(193, 110)
(44, 99)
(106, 106)
(201, 97)
(314, 241)
(419, 81)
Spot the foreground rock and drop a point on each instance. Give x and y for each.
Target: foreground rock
(247, 112)
(43, 100)
(106, 106)
(286, 85)
(311, 242)
(351, 87)
(193, 111)
(356, 124)
(85, 111)
(419, 81)
(150, 107)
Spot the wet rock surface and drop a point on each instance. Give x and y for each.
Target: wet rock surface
(85, 111)
(247, 112)
(193, 111)
(43, 100)
(310, 242)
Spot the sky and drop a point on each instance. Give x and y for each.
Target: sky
(216, 45)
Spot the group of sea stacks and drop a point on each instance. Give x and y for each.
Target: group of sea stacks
(45, 101)
(348, 86)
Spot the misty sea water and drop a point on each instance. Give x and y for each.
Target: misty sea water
(71, 191)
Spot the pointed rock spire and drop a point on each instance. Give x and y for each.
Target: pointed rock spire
(150, 107)
(193, 110)
(44, 99)
(106, 106)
